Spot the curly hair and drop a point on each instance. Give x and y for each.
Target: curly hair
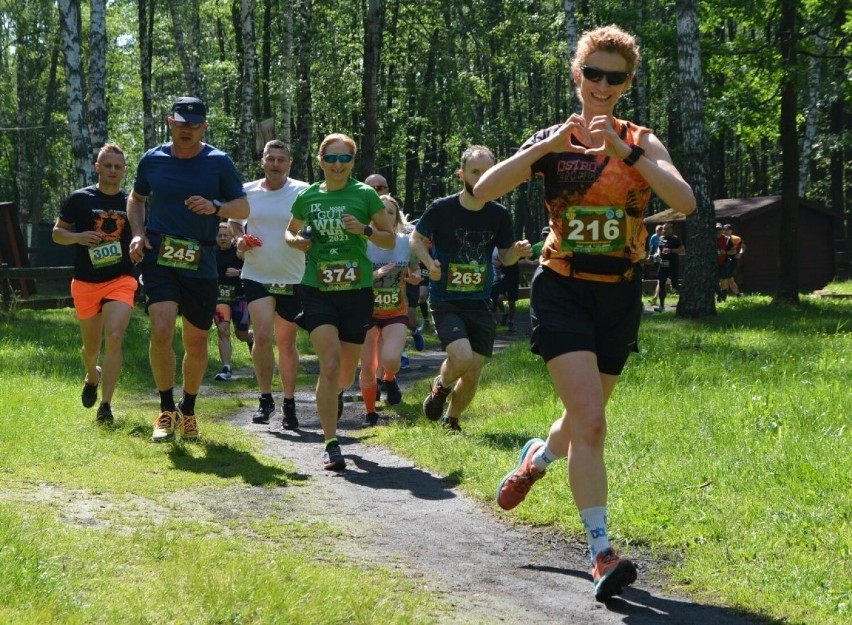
(607, 39)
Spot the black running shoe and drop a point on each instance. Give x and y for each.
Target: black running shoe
(451, 424)
(288, 407)
(104, 416)
(263, 412)
(433, 405)
(371, 419)
(90, 391)
(391, 391)
(332, 458)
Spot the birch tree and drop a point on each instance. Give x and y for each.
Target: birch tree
(42, 153)
(81, 145)
(183, 29)
(97, 75)
(146, 52)
(286, 52)
(788, 258)
(303, 161)
(571, 36)
(372, 46)
(699, 274)
(246, 139)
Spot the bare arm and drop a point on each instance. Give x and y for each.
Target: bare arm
(64, 235)
(433, 266)
(238, 208)
(136, 217)
(383, 235)
(511, 255)
(412, 275)
(293, 238)
(508, 174)
(656, 167)
(238, 231)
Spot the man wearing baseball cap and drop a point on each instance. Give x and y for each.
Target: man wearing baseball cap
(190, 186)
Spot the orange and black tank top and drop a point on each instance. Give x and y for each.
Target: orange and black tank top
(596, 208)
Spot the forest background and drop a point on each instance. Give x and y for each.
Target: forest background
(750, 97)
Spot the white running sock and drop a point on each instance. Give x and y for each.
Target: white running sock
(543, 458)
(594, 520)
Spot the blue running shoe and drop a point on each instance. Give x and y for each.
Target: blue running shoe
(419, 341)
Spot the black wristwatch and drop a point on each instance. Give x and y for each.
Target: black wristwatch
(635, 153)
(218, 206)
(368, 231)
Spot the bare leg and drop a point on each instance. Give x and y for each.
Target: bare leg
(162, 316)
(288, 355)
(262, 312)
(194, 357)
(116, 317)
(580, 432)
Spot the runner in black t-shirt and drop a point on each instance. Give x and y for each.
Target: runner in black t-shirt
(94, 220)
(231, 306)
(670, 249)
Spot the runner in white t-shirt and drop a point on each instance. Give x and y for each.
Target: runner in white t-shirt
(271, 276)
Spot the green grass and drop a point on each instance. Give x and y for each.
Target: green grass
(728, 455)
(728, 452)
(101, 526)
(840, 286)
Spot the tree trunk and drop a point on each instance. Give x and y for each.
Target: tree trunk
(640, 81)
(97, 75)
(264, 106)
(146, 53)
(246, 139)
(286, 53)
(414, 130)
(812, 108)
(719, 183)
(303, 155)
(187, 50)
(571, 36)
(369, 91)
(224, 57)
(42, 154)
(81, 146)
(699, 274)
(788, 256)
(23, 165)
(838, 118)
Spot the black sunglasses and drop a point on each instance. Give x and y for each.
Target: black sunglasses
(333, 158)
(595, 75)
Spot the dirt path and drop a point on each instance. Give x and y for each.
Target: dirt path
(394, 513)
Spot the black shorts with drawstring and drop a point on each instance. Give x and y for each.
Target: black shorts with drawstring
(571, 315)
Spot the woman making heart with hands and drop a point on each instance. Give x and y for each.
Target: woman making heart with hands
(585, 302)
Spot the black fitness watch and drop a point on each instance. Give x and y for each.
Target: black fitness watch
(635, 153)
(218, 206)
(368, 231)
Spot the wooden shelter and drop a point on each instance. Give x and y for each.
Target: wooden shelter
(758, 221)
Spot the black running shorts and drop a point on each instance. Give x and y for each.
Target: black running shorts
(349, 311)
(288, 307)
(570, 315)
(465, 319)
(196, 297)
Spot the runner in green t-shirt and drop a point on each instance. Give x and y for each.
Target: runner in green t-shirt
(337, 289)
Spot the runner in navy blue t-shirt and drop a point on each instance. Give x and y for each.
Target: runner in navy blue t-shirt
(190, 186)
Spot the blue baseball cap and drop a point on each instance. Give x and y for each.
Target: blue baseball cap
(188, 109)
